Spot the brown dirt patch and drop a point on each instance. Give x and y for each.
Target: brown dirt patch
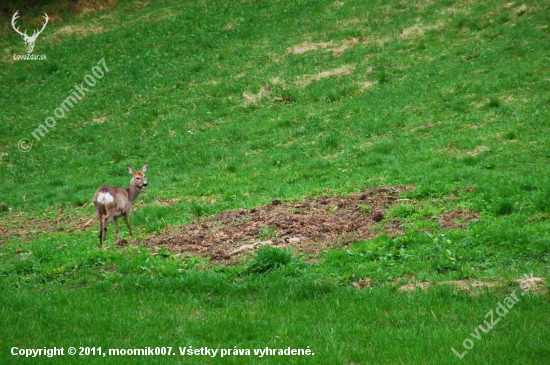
(168, 202)
(457, 218)
(337, 48)
(336, 5)
(366, 84)
(418, 30)
(308, 79)
(348, 43)
(309, 226)
(415, 30)
(231, 25)
(79, 30)
(469, 285)
(476, 151)
(19, 225)
(93, 6)
(412, 286)
(453, 151)
(531, 284)
(309, 46)
(521, 10)
(424, 126)
(265, 91)
(363, 283)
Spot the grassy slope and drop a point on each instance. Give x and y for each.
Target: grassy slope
(474, 75)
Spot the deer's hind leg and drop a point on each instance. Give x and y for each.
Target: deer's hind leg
(99, 216)
(110, 212)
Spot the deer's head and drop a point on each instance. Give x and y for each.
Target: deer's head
(29, 40)
(139, 179)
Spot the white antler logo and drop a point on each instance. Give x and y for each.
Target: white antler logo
(29, 41)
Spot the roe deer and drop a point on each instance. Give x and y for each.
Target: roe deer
(113, 202)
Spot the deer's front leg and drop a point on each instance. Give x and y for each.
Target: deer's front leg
(128, 223)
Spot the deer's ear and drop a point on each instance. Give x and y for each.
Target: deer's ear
(130, 170)
(144, 168)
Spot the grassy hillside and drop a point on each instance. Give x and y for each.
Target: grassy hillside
(235, 104)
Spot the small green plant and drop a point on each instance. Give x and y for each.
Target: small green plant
(365, 208)
(494, 102)
(383, 77)
(267, 233)
(504, 207)
(541, 199)
(447, 259)
(331, 141)
(197, 210)
(231, 168)
(269, 259)
(510, 135)
(403, 211)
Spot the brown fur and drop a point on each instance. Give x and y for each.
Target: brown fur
(121, 204)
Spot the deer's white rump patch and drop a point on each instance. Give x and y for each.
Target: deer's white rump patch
(105, 198)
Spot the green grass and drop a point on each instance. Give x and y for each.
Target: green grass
(269, 259)
(449, 97)
(339, 324)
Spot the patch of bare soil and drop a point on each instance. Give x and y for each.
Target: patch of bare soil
(231, 25)
(337, 48)
(412, 286)
(469, 285)
(451, 150)
(309, 226)
(93, 6)
(367, 84)
(305, 80)
(476, 151)
(424, 126)
(79, 30)
(308, 46)
(265, 91)
(336, 5)
(532, 284)
(363, 283)
(457, 218)
(415, 30)
(17, 224)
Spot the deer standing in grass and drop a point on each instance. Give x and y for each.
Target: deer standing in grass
(114, 202)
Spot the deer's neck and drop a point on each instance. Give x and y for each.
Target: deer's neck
(133, 192)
